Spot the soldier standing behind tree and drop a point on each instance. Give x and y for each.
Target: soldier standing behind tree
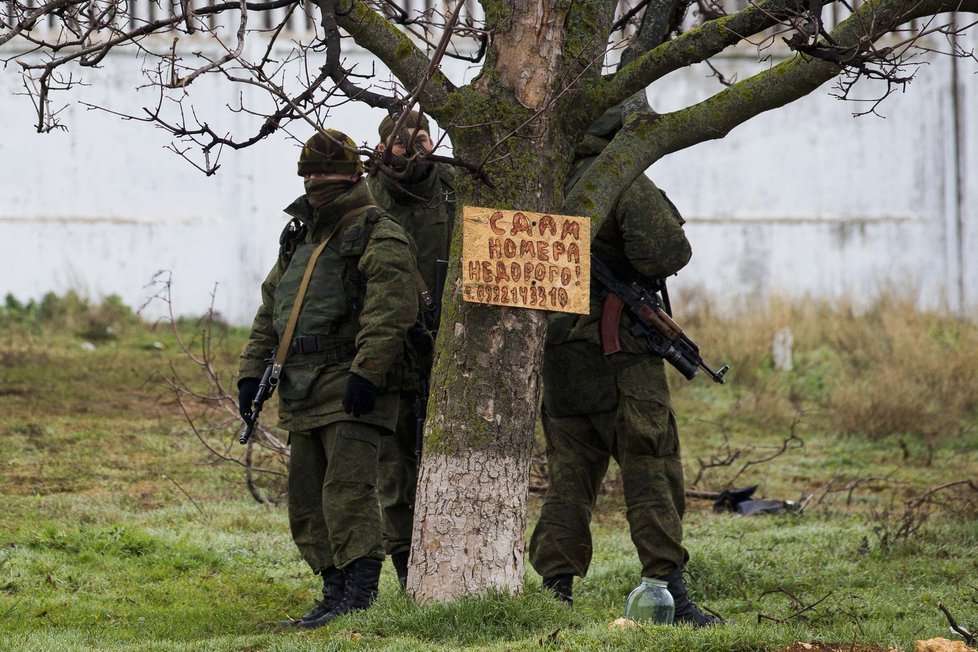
(419, 196)
(596, 407)
(338, 393)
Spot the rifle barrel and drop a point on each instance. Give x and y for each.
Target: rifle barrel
(246, 431)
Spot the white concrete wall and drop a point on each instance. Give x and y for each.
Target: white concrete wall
(102, 208)
(805, 200)
(808, 200)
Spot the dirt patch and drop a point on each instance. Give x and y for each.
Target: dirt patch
(836, 647)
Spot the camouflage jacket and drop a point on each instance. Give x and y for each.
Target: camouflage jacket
(424, 209)
(360, 302)
(643, 238)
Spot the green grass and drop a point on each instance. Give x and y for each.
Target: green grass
(120, 532)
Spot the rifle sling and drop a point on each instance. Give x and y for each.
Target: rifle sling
(427, 301)
(283, 346)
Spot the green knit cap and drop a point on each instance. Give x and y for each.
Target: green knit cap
(415, 120)
(329, 152)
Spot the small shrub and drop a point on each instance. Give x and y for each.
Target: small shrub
(15, 313)
(106, 320)
(878, 370)
(71, 312)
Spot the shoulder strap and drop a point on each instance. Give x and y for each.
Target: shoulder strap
(283, 346)
(427, 301)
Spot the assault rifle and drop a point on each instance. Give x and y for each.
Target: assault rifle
(430, 318)
(266, 387)
(650, 321)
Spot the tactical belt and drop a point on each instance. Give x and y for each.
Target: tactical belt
(332, 350)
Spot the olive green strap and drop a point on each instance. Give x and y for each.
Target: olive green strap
(286, 341)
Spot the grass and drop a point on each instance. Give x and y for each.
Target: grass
(120, 532)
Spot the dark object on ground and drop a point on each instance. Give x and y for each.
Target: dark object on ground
(739, 501)
(361, 578)
(334, 582)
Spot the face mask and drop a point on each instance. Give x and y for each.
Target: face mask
(320, 192)
(417, 171)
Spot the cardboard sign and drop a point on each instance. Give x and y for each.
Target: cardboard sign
(526, 260)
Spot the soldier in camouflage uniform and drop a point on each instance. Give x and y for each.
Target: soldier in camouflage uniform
(596, 407)
(420, 200)
(339, 391)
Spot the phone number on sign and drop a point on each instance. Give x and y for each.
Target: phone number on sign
(533, 296)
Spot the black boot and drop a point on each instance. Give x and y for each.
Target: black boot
(562, 586)
(687, 613)
(361, 578)
(333, 582)
(400, 561)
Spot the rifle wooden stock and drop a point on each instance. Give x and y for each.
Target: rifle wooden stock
(611, 310)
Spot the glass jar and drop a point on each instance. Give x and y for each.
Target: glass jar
(650, 601)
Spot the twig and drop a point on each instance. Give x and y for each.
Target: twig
(12, 607)
(969, 637)
(183, 491)
(796, 604)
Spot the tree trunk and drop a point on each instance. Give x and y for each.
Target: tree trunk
(470, 510)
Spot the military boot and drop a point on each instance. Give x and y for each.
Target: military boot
(687, 613)
(562, 586)
(400, 561)
(361, 578)
(333, 582)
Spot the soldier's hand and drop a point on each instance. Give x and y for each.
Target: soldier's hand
(360, 396)
(247, 391)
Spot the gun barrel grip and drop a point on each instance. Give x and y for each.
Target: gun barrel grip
(608, 326)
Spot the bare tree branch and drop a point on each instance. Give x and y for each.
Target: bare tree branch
(335, 71)
(968, 636)
(409, 64)
(692, 47)
(653, 137)
(230, 56)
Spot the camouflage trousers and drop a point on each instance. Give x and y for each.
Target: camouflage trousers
(334, 513)
(398, 478)
(641, 435)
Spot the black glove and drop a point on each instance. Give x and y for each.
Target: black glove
(360, 396)
(247, 391)
(420, 338)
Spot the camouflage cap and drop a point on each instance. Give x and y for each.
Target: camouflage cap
(329, 152)
(415, 120)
